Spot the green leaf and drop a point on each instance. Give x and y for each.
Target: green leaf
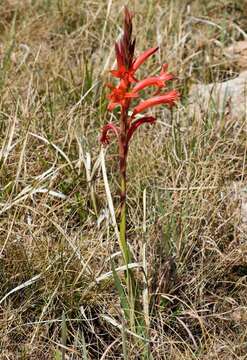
(121, 292)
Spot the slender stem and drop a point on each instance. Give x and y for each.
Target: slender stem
(130, 280)
(123, 240)
(123, 152)
(122, 168)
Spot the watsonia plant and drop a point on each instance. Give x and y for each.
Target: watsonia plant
(121, 96)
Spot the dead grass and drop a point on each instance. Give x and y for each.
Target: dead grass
(54, 61)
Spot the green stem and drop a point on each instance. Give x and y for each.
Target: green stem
(123, 241)
(130, 281)
(129, 274)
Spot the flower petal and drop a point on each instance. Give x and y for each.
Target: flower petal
(131, 95)
(141, 58)
(166, 76)
(168, 98)
(159, 81)
(137, 123)
(115, 73)
(151, 81)
(104, 139)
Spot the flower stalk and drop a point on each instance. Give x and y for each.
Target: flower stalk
(121, 96)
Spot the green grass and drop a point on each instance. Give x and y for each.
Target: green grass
(54, 61)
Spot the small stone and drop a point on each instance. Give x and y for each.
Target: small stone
(224, 98)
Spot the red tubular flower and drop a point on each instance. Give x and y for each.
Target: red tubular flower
(169, 99)
(151, 81)
(141, 58)
(159, 81)
(104, 139)
(137, 123)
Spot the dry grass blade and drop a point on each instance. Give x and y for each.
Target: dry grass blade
(119, 326)
(22, 286)
(118, 269)
(108, 194)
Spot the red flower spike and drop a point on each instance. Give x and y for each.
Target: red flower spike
(168, 99)
(104, 139)
(128, 88)
(137, 123)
